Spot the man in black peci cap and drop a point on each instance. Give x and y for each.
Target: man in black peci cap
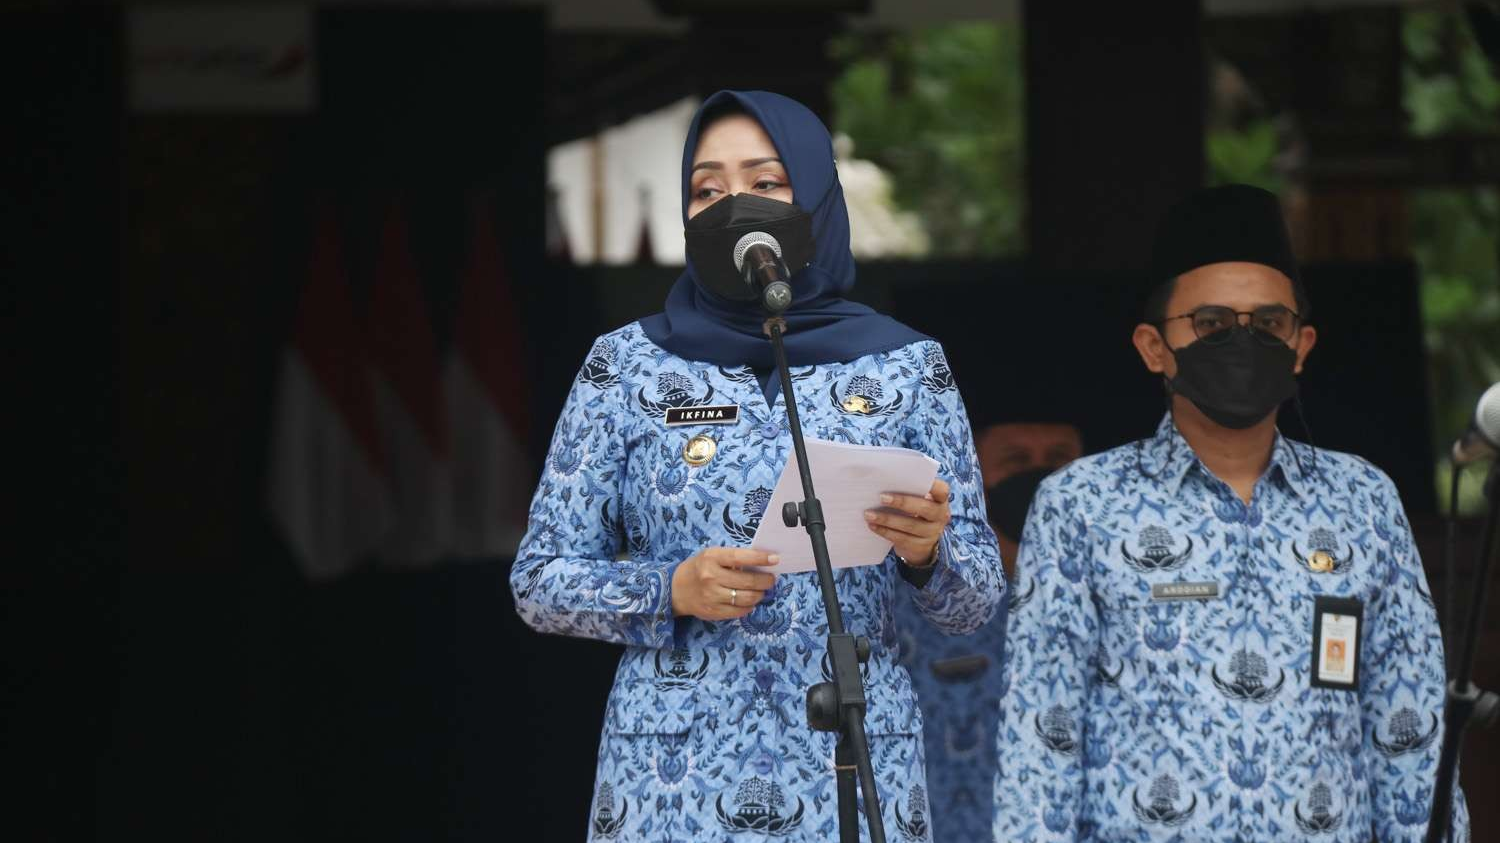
(1020, 438)
(1228, 635)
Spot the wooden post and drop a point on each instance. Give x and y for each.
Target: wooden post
(1114, 129)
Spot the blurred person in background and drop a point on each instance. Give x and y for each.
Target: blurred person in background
(958, 678)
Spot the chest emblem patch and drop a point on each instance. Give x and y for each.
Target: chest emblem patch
(673, 389)
(864, 396)
(1157, 551)
(1323, 555)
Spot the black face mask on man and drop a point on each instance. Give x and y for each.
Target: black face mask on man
(1238, 380)
(712, 234)
(1009, 500)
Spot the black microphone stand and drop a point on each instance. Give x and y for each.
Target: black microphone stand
(1465, 702)
(837, 706)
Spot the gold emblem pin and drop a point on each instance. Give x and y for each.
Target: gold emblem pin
(1320, 561)
(857, 404)
(699, 450)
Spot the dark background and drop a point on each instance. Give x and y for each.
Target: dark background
(169, 671)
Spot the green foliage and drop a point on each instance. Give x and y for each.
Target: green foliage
(940, 108)
(1450, 89)
(1244, 156)
(1454, 237)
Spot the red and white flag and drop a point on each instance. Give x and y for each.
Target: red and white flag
(409, 400)
(328, 490)
(487, 406)
(556, 236)
(645, 253)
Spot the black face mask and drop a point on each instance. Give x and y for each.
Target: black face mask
(712, 235)
(1009, 500)
(1236, 382)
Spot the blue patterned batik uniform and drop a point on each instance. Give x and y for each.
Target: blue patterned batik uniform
(1134, 719)
(959, 682)
(705, 734)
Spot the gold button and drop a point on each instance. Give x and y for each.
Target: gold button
(1320, 561)
(856, 404)
(700, 449)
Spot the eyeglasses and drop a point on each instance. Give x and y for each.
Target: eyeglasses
(1270, 324)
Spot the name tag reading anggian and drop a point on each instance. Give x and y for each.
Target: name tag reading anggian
(719, 414)
(1161, 591)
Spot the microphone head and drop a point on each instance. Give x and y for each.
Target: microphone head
(754, 238)
(1487, 415)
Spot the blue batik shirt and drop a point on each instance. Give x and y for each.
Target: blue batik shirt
(1132, 716)
(959, 682)
(705, 732)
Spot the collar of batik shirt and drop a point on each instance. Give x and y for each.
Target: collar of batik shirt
(1168, 459)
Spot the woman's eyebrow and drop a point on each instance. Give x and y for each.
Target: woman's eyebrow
(744, 165)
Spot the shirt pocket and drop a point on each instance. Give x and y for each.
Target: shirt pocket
(668, 466)
(642, 707)
(1138, 630)
(893, 723)
(654, 733)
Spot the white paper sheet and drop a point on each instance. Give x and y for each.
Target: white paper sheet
(848, 479)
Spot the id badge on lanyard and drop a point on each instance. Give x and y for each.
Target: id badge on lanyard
(1338, 625)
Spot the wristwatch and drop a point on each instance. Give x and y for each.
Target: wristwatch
(902, 560)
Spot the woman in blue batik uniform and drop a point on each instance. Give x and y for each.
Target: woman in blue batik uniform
(637, 526)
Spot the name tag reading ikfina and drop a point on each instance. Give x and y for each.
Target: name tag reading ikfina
(716, 414)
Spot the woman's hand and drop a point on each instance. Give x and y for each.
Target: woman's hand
(915, 530)
(711, 586)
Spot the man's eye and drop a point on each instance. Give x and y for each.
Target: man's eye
(1273, 320)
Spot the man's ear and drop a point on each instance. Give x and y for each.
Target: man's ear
(1152, 348)
(1307, 337)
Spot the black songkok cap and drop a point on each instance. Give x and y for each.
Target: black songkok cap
(1236, 222)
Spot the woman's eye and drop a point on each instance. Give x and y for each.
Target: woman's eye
(768, 184)
(705, 193)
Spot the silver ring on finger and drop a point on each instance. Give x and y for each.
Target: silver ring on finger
(734, 594)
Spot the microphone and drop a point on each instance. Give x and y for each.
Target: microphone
(757, 256)
(1482, 439)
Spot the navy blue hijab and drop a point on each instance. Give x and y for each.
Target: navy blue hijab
(822, 326)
